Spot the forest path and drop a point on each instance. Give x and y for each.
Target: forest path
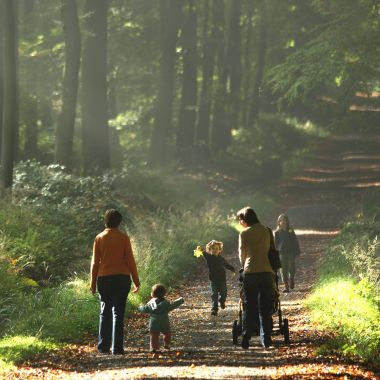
(317, 201)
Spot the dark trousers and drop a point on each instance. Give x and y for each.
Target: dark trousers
(218, 293)
(258, 299)
(113, 291)
(288, 269)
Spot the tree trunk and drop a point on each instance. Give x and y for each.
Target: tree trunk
(210, 35)
(247, 64)
(66, 122)
(1, 79)
(170, 13)
(10, 103)
(186, 127)
(262, 49)
(95, 137)
(29, 115)
(220, 139)
(29, 101)
(234, 65)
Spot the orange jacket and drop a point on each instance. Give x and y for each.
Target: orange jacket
(112, 254)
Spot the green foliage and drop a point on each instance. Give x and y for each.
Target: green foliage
(338, 55)
(346, 300)
(371, 205)
(356, 251)
(64, 313)
(17, 349)
(262, 151)
(10, 292)
(351, 311)
(164, 251)
(50, 224)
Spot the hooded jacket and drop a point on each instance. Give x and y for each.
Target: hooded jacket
(159, 313)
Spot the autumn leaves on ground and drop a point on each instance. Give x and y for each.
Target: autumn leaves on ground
(317, 200)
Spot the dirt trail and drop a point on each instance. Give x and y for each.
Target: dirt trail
(317, 201)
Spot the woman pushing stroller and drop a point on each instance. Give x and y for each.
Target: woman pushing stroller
(259, 288)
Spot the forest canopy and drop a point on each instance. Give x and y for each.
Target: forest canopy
(97, 84)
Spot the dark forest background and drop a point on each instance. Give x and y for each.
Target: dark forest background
(96, 84)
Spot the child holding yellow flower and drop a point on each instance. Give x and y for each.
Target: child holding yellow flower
(287, 244)
(217, 274)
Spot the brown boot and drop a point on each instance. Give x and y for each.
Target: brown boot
(286, 290)
(291, 282)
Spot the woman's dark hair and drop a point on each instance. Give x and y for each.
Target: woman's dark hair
(112, 218)
(248, 215)
(158, 291)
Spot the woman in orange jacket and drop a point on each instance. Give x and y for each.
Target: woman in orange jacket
(112, 267)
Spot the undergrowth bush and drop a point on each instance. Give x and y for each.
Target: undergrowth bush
(346, 300)
(17, 349)
(351, 311)
(63, 313)
(164, 243)
(262, 151)
(52, 219)
(10, 293)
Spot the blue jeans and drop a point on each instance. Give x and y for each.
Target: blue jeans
(219, 293)
(113, 292)
(258, 300)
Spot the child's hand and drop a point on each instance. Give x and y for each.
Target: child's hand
(135, 289)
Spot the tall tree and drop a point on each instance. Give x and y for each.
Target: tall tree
(210, 35)
(95, 134)
(261, 54)
(1, 80)
(247, 62)
(234, 64)
(28, 94)
(10, 102)
(220, 138)
(170, 14)
(187, 116)
(66, 122)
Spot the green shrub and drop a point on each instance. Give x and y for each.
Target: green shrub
(351, 312)
(64, 313)
(371, 205)
(52, 219)
(17, 349)
(164, 251)
(346, 300)
(10, 294)
(356, 251)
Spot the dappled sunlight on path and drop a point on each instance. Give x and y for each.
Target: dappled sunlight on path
(300, 232)
(346, 163)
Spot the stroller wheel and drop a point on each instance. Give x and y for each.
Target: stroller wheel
(235, 333)
(286, 331)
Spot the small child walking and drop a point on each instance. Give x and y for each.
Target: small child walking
(158, 308)
(217, 274)
(287, 244)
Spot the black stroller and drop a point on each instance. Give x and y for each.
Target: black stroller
(279, 328)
